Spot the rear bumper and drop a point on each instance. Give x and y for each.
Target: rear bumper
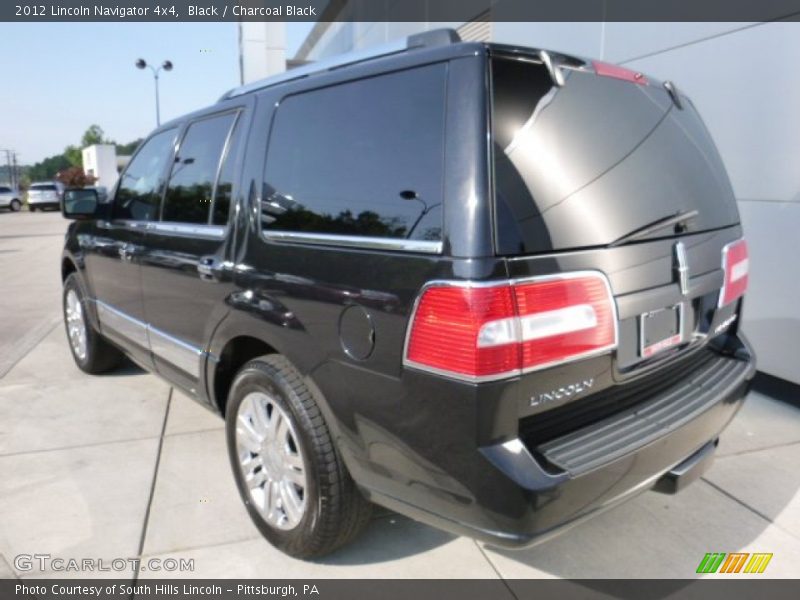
(688, 471)
(519, 493)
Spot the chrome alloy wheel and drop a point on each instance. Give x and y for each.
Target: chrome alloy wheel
(76, 325)
(271, 460)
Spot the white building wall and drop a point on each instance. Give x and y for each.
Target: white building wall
(262, 50)
(100, 160)
(743, 79)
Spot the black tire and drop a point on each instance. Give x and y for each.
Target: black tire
(335, 511)
(15, 205)
(31, 208)
(100, 355)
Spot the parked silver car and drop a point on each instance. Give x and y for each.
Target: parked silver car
(45, 194)
(10, 198)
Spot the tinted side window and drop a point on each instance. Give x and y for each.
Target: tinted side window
(5, 190)
(191, 184)
(139, 190)
(360, 158)
(224, 191)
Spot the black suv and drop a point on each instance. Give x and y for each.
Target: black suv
(493, 288)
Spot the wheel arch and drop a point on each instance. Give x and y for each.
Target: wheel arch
(68, 267)
(245, 334)
(72, 263)
(234, 354)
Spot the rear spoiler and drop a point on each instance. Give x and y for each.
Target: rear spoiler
(555, 62)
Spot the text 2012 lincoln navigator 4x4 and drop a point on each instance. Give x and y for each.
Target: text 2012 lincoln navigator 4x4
(493, 288)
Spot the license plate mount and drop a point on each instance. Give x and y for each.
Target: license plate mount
(660, 330)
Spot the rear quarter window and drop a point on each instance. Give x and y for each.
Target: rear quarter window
(362, 158)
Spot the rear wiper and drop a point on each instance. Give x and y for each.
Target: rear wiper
(677, 219)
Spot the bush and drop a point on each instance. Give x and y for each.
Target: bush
(75, 177)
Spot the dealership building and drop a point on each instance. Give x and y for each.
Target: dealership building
(740, 76)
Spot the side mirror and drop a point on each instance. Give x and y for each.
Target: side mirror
(79, 204)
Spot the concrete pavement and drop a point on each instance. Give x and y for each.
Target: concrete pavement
(122, 466)
(30, 244)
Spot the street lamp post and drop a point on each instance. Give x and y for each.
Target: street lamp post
(167, 66)
(412, 195)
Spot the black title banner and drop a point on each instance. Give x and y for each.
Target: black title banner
(398, 10)
(396, 589)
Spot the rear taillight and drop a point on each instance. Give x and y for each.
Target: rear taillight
(490, 331)
(617, 72)
(736, 264)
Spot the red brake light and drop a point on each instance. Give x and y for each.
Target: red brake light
(481, 332)
(444, 334)
(617, 72)
(565, 319)
(736, 264)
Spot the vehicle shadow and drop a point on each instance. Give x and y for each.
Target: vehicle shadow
(388, 537)
(125, 369)
(752, 484)
(732, 508)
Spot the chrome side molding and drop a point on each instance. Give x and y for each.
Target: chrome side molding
(215, 231)
(355, 241)
(123, 324)
(182, 355)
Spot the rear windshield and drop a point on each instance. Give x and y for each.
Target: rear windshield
(588, 163)
(43, 188)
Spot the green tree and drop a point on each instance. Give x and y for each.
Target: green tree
(129, 148)
(73, 155)
(47, 168)
(94, 135)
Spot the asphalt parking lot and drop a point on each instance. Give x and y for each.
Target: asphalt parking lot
(122, 466)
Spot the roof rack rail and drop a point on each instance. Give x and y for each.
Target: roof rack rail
(426, 39)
